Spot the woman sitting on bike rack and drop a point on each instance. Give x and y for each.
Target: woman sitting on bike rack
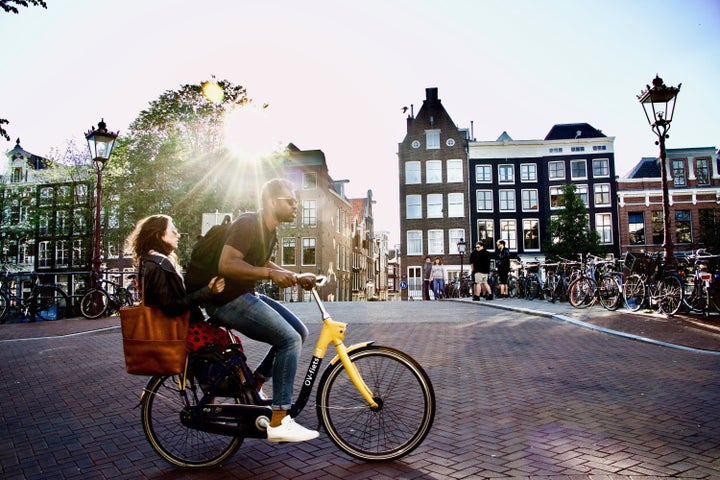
(153, 243)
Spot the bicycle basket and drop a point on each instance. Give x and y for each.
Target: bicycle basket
(640, 263)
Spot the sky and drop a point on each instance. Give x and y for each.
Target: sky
(336, 74)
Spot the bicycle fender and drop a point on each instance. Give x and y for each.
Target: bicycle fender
(350, 349)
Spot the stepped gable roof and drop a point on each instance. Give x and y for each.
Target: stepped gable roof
(570, 131)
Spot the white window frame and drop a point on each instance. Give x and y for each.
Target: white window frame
(432, 139)
(603, 226)
(572, 172)
(526, 199)
(456, 205)
(553, 171)
(436, 242)
(508, 232)
(433, 171)
(606, 168)
(525, 222)
(506, 200)
(413, 207)
(506, 179)
(528, 172)
(434, 205)
(489, 225)
(455, 171)
(485, 200)
(602, 190)
(454, 236)
(556, 191)
(413, 173)
(486, 176)
(414, 242)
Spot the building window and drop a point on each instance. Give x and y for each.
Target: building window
(582, 192)
(577, 149)
(61, 253)
(413, 206)
(79, 224)
(81, 194)
(435, 242)
(678, 169)
(702, 171)
(531, 235)
(309, 181)
(288, 251)
(454, 171)
(508, 232)
(507, 200)
(636, 228)
(44, 223)
(435, 205)
(484, 201)
(556, 170)
(578, 169)
(556, 149)
(412, 173)
(46, 196)
(483, 174)
(432, 139)
(486, 233)
(603, 226)
(454, 236)
(414, 242)
(601, 167)
(683, 227)
(657, 227)
(599, 148)
(529, 199)
(308, 251)
(61, 223)
(309, 213)
(44, 254)
(557, 199)
(506, 174)
(528, 172)
(602, 194)
(456, 205)
(433, 171)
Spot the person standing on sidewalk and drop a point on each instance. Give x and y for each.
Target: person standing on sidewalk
(480, 268)
(427, 270)
(502, 262)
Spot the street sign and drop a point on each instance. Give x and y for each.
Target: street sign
(403, 285)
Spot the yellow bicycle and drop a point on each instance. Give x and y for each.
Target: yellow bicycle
(376, 403)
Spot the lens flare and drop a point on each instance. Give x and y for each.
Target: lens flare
(251, 132)
(213, 92)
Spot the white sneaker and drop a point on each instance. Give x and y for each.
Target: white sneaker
(290, 431)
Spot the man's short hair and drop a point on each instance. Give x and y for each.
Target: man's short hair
(274, 188)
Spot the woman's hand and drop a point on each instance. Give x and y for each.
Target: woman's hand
(217, 285)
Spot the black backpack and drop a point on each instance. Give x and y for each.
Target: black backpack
(205, 256)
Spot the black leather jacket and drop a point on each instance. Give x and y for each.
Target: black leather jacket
(165, 288)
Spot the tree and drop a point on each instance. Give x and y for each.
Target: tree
(3, 132)
(9, 5)
(570, 234)
(173, 160)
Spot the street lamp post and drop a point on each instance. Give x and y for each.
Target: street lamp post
(658, 102)
(101, 143)
(461, 251)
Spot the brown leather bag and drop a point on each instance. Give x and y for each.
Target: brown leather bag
(153, 343)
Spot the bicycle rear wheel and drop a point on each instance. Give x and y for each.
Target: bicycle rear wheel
(403, 392)
(177, 444)
(3, 307)
(512, 286)
(94, 303)
(52, 303)
(609, 293)
(634, 292)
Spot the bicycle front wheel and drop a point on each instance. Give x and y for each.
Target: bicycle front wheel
(634, 292)
(94, 303)
(52, 303)
(177, 444)
(671, 293)
(405, 398)
(582, 292)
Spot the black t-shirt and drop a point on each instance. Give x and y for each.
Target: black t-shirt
(248, 235)
(480, 260)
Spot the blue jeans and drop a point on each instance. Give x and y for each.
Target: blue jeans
(438, 287)
(263, 319)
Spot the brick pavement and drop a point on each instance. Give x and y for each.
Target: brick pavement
(519, 396)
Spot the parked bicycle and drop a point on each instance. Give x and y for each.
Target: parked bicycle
(597, 282)
(459, 287)
(702, 290)
(23, 298)
(376, 403)
(651, 284)
(106, 298)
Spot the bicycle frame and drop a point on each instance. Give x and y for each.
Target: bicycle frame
(251, 420)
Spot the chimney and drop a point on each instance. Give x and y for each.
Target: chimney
(431, 94)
